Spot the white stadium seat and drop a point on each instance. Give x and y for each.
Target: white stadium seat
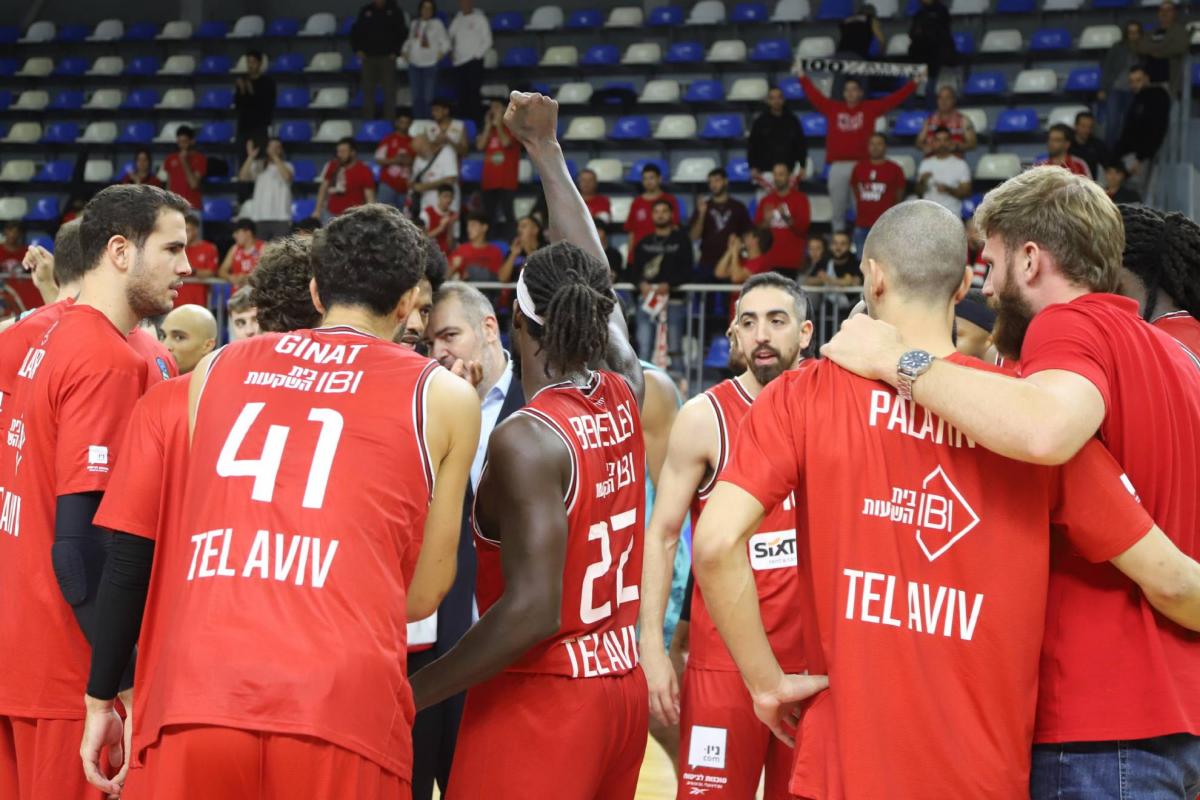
(674, 127)
(524, 171)
(178, 65)
(178, 99)
(167, 134)
(881, 125)
(727, 51)
(1065, 115)
(886, 9)
(562, 55)
(107, 30)
(248, 27)
(18, 171)
(1062, 5)
(99, 133)
(790, 11)
(816, 47)
(241, 68)
(331, 130)
(576, 93)
(625, 17)
(545, 18)
(39, 32)
(898, 45)
(31, 100)
(325, 62)
(963, 7)
(522, 206)
(1003, 40)
(37, 67)
(1099, 37)
(104, 100)
(107, 66)
(997, 167)
(585, 129)
(13, 208)
(1035, 81)
(331, 97)
(98, 170)
(660, 91)
(494, 90)
(749, 90)
(246, 209)
(978, 117)
(177, 30)
(906, 163)
(707, 12)
(322, 24)
(608, 170)
(620, 208)
(693, 170)
(821, 208)
(24, 133)
(643, 53)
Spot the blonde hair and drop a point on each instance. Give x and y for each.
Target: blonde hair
(1067, 215)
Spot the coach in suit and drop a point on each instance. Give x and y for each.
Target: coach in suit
(464, 337)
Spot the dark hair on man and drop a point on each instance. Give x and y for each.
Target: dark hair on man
(877, 135)
(764, 237)
(1138, 68)
(192, 218)
(1163, 250)
(941, 129)
(773, 280)
(402, 111)
(279, 287)
(1084, 115)
(347, 140)
(1062, 128)
(445, 190)
(186, 130)
(254, 54)
(856, 81)
(719, 171)
(444, 102)
(436, 267)
(241, 300)
(572, 293)
(480, 217)
(369, 256)
(1119, 166)
(68, 257)
(245, 224)
(652, 167)
(661, 202)
(129, 210)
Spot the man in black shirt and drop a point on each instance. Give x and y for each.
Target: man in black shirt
(1115, 176)
(857, 31)
(376, 38)
(1087, 145)
(661, 263)
(931, 43)
(717, 217)
(775, 138)
(254, 99)
(1145, 127)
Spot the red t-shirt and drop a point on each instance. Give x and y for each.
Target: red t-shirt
(203, 258)
(433, 218)
(849, 129)
(771, 550)
(347, 185)
(875, 188)
(641, 222)
(177, 181)
(1111, 667)
(11, 256)
(788, 218)
(1069, 162)
(1182, 326)
(925, 560)
(500, 162)
(302, 516)
(147, 345)
(606, 510)
(600, 207)
(955, 122)
(72, 394)
(467, 255)
(149, 180)
(755, 266)
(395, 175)
(244, 261)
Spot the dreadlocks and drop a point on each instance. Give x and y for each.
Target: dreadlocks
(571, 292)
(1163, 250)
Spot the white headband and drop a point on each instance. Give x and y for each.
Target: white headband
(525, 301)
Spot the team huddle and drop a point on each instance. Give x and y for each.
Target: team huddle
(916, 575)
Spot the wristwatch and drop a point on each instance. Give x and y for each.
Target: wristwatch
(911, 366)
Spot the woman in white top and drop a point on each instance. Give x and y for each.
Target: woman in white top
(427, 42)
(271, 205)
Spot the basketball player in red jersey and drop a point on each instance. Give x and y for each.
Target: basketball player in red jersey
(66, 415)
(1161, 270)
(925, 558)
(716, 710)
(557, 703)
(316, 458)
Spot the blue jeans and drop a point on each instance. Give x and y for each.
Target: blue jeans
(1112, 116)
(1162, 768)
(647, 329)
(860, 240)
(423, 81)
(388, 195)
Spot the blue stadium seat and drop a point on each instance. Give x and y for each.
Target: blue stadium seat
(981, 84)
(964, 42)
(141, 132)
(970, 204)
(1050, 39)
(665, 17)
(60, 133)
(42, 240)
(501, 245)
(303, 208)
(471, 170)
(745, 13)
(67, 100)
(141, 32)
(909, 123)
(214, 65)
(630, 128)
(284, 28)
(635, 169)
(295, 130)
(1102, 4)
(718, 354)
(72, 33)
(217, 99)
(792, 90)
(215, 133)
(143, 65)
(211, 29)
(684, 53)
(771, 50)
(8, 66)
(508, 21)
(814, 125)
(704, 91)
(520, 57)
(1083, 79)
(584, 19)
(1016, 6)
(55, 172)
(372, 131)
(304, 170)
(738, 170)
(1196, 74)
(353, 63)
(217, 209)
(292, 97)
(346, 25)
(286, 63)
(356, 100)
(9, 34)
(140, 100)
(831, 10)
(1016, 120)
(601, 55)
(723, 126)
(6, 99)
(71, 66)
(44, 209)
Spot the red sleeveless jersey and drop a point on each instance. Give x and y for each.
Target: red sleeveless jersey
(283, 585)
(1183, 327)
(772, 554)
(606, 510)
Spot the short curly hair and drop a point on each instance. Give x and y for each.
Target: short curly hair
(279, 287)
(436, 267)
(368, 257)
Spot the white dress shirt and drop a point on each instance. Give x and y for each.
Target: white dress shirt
(471, 36)
(492, 403)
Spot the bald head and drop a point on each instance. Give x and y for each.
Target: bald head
(922, 248)
(191, 334)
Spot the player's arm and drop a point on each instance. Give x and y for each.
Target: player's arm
(520, 497)
(1168, 577)
(322, 192)
(689, 454)
(452, 434)
(226, 268)
(1044, 419)
(658, 415)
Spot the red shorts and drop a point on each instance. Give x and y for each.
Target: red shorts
(209, 761)
(723, 747)
(39, 760)
(526, 735)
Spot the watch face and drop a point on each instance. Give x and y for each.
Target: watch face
(915, 361)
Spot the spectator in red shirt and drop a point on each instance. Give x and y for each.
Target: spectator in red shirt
(439, 219)
(12, 249)
(394, 155)
(641, 212)
(243, 256)
(744, 256)
(501, 164)
(787, 213)
(962, 130)
(142, 170)
(1161, 270)
(476, 259)
(849, 125)
(346, 183)
(1058, 147)
(186, 167)
(203, 257)
(878, 184)
(598, 204)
